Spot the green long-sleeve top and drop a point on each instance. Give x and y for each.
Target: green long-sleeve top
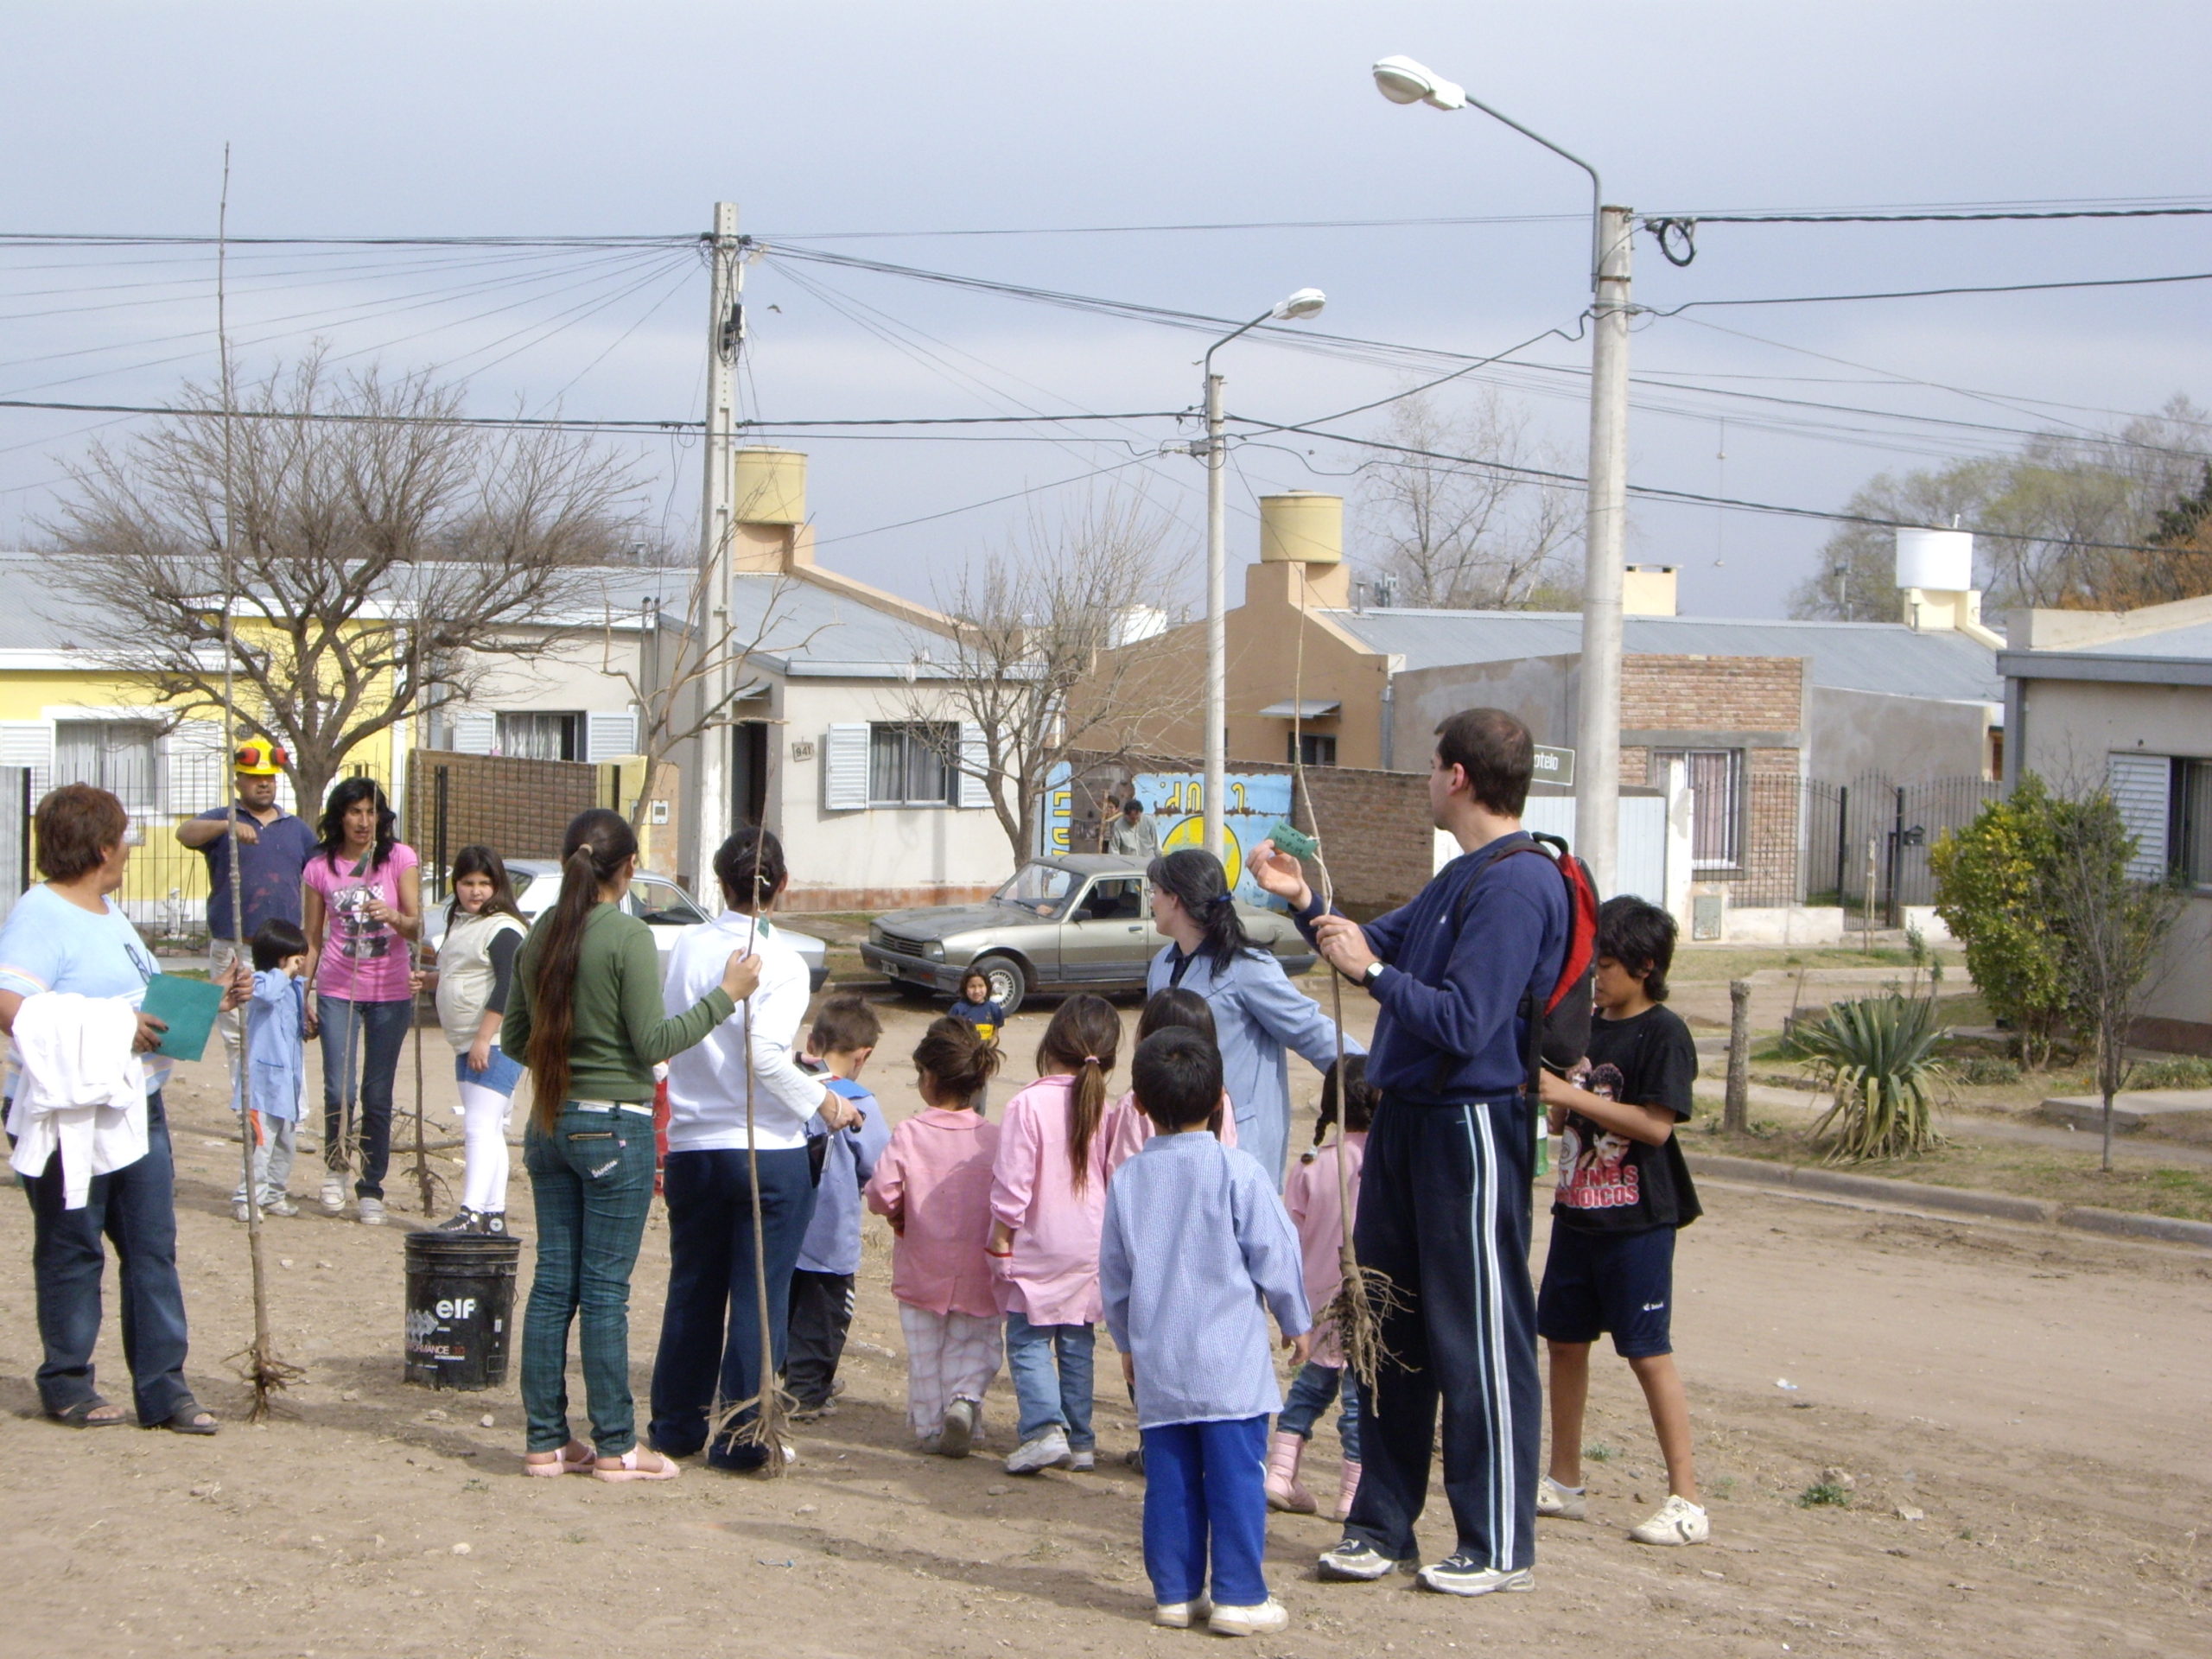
(618, 1032)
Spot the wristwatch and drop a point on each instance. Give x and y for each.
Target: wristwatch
(1373, 972)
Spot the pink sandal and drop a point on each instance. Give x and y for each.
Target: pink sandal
(630, 1469)
(574, 1459)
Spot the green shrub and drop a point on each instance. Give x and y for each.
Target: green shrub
(1879, 1056)
(2188, 1072)
(1987, 1070)
(1824, 1493)
(1991, 881)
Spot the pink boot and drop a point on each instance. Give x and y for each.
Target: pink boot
(1283, 1490)
(1347, 1486)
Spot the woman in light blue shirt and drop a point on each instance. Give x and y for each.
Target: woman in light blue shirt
(1258, 1013)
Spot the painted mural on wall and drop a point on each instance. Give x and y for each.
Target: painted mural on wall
(1176, 803)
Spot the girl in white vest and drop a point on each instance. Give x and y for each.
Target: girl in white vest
(483, 929)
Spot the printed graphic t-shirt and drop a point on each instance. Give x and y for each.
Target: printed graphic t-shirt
(363, 961)
(1608, 1183)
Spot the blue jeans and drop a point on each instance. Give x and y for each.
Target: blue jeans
(134, 1208)
(710, 1326)
(1052, 1368)
(1206, 1484)
(592, 1182)
(360, 1041)
(1310, 1393)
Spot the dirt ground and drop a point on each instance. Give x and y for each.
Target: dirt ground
(2037, 1403)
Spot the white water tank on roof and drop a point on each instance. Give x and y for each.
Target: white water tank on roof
(1936, 561)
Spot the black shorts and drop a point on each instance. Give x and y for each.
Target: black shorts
(1621, 1282)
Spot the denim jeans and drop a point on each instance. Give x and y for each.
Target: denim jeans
(1311, 1393)
(710, 1327)
(360, 1041)
(134, 1208)
(592, 1181)
(1050, 1395)
(1205, 1484)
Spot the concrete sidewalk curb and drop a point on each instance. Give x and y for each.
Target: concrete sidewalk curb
(1988, 1206)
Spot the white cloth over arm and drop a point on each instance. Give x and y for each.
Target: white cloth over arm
(80, 1092)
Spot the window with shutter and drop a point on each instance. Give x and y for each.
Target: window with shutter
(197, 770)
(845, 766)
(975, 762)
(29, 743)
(607, 736)
(2140, 785)
(475, 734)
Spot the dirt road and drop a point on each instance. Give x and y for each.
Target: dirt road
(2039, 1402)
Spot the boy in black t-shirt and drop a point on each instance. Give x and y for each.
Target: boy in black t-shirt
(1624, 1189)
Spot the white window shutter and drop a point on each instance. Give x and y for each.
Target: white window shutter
(608, 735)
(29, 743)
(195, 774)
(975, 761)
(844, 767)
(474, 733)
(2139, 784)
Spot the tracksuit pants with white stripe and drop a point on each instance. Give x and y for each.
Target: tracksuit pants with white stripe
(1444, 1212)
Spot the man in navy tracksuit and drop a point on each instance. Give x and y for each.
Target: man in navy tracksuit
(1445, 1190)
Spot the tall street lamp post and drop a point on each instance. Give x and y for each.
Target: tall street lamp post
(1306, 302)
(1597, 724)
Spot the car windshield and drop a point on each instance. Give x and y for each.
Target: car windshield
(1040, 889)
(521, 880)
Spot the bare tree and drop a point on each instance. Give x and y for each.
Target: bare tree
(1073, 602)
(386, 555)
(2115, 928)
(2058, 506)
(688, 674)
(1460, 535)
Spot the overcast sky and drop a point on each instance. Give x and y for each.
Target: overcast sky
(455, 120)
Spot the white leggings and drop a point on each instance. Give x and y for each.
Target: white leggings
(484, 1130)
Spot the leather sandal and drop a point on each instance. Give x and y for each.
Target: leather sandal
(190, 1418)
(79, 1415)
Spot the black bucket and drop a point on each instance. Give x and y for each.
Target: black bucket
(460, 1303)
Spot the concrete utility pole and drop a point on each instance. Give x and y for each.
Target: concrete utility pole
(1216, 743)
(725, 333)
(1598, 723)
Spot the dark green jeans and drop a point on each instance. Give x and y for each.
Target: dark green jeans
(592, 1182)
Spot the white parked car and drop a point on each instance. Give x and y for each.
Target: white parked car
(653, 900)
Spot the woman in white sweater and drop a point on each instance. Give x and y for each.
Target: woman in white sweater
(710, 1335)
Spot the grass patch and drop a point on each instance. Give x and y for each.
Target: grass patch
(1598, 1451)
(1697, 963)
(2065, 1177)
(2186, 1071)
(1824, 1494)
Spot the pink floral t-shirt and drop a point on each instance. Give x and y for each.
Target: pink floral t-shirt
(363, 961)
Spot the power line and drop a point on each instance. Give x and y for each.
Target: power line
(1930, 293)
(1934, 218)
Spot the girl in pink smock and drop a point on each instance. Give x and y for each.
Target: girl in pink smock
(1126, 1127)
(1048, 1206)
(933, 1182)
(1314, 1198)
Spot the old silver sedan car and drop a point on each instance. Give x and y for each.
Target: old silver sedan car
(1080, 923)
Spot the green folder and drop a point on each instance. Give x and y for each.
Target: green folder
(189, 1006)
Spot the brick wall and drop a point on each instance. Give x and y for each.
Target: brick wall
(517, 808)
(1716, 694)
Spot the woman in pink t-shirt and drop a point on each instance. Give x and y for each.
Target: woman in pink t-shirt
(363, 905)
(1048, 1206)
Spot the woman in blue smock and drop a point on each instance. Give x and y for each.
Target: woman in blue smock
(1258, 1013)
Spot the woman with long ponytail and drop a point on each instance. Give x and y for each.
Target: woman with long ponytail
(1048, 1206)
(585, 1013)
(1258, 1016)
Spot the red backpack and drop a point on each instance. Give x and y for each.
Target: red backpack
(1558, 1025)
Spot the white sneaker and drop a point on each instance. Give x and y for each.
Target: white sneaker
(1678, 1521)
(333, 1196)
(1048, 1450)
(1083, 1462)
(1265, 1619)
(279, 1206)
(1460, 1576)
(240, 1210)
(958, 1436)
(1562, 1503)
(1178, 1615)
(371, 1212)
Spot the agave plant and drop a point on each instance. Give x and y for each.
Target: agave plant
(1877, 1056)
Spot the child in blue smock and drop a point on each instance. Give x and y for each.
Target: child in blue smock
(845, 1035)
(276, 1050)
(1196, 1251)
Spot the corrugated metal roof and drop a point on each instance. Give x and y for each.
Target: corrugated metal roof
(1845, 656)
(2191, 642)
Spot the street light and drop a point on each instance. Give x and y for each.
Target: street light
(1306, 302)
(1597, 724)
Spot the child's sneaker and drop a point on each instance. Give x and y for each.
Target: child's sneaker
(333, 1196)
(1180, 1615)
(1462, 1575)
(1678, 1521)
(240, 1210)
(462, 1220)
(371, 1212)
(957, 1437)
(1561, 1502)
(280, 1204)
(1265, 1619)
(1083, 1462)
(1355, 1561)
(1048, 1450)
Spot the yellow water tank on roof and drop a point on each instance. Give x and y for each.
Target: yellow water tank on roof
(1301, 527)
(769, 486)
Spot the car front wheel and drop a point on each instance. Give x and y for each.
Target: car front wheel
(1007, 982)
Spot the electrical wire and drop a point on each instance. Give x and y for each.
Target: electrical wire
(972, 506)
(1930, 293)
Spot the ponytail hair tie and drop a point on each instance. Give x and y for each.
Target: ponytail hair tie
(1092, 1060)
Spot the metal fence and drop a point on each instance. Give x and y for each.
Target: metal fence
(1805, 841)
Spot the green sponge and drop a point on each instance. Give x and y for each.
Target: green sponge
(1296, 842)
